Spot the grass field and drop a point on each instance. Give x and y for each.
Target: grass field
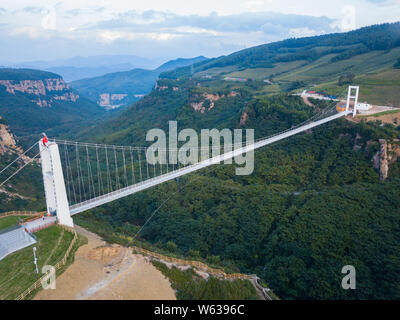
(265, 73)
(8, 222)
(17, 271)
(379, 82)
(318, 71)
(381, 88)
(378, 88)
(323, 70)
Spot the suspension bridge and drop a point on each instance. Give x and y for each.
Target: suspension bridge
(81, 176)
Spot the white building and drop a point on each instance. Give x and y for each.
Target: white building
(363, 106)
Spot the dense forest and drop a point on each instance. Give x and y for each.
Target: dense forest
(26, 190)
(190, 286)
(313, 204)
(26, 74)
(27, 186)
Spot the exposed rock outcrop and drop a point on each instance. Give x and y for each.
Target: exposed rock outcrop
(387, 154)
(8, 144)
(356, 146)
(243, 118)
(211, 98)
(7, 141)
(47, 90)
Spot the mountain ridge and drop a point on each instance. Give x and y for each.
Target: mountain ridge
(304, 61)
(80, 67)
(133, 84)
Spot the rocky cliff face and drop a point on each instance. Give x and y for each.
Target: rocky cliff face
(46, 91)
(210, 99)
(8, 144)
(7, 141)
(387, 154)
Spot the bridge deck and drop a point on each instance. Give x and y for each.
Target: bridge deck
(95, 202)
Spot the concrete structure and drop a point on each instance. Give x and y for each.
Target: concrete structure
(54, 185)
(363, 106)
(351, 96)
(14, 240)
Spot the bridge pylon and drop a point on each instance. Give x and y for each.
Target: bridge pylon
(54, 185)
(354, 96)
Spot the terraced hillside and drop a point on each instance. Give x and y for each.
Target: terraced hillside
(302, 63)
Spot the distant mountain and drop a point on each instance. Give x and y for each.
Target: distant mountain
(121, 88)
(180, 62)
(76, 68)
(95, 61)
(77, 73)
(34, 101)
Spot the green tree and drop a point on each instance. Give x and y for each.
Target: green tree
(346, 79)
(397, 64)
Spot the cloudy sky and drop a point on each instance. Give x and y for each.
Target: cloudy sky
(163, 29)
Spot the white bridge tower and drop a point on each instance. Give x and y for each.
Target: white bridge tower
(354, 96)
(54, 186)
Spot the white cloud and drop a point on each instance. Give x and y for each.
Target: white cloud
(30, 32)
(108, 36)
(257, 5)
(195, 30)
(170, 28)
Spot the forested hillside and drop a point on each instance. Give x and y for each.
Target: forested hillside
(34, 101)
(382, 37)
(304, 62)
(313, 204)
(25, 191)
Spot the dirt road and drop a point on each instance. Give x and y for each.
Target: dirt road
(307, 102)
(102, 271)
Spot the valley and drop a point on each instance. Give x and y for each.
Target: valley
(325, 198)
(113, 90)
(33, 101)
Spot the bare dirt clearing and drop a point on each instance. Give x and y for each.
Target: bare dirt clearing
(103, 272)
(307, 102)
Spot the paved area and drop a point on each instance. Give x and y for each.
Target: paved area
(39, 223)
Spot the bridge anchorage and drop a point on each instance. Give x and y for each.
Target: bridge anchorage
(84, 175)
